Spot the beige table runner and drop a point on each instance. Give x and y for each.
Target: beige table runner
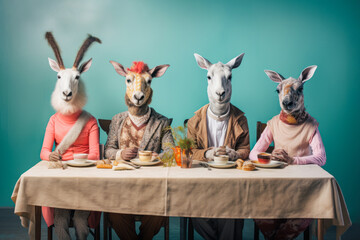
(301, 191)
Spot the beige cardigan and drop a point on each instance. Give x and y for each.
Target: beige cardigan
(237, 134)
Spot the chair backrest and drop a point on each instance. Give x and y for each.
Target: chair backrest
(105, 124)
(260, 127)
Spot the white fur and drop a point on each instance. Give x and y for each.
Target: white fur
(69, 95)
(219, 82)
(75, 104)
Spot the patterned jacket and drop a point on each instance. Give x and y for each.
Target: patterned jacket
(154, 139)
(237, 134)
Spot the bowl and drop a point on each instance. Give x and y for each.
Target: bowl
(221, 159)
(145, 156)
(264, 158)
(80, 157)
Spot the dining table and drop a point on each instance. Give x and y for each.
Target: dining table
(294, 191)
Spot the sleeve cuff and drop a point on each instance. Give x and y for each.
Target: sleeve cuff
(118, 155)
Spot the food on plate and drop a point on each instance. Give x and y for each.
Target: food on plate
(248, 166)
(104, 165)
(239, 163)
(103, 161)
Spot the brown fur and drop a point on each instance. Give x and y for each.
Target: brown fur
(138, 110)
(51, 40)
(83, 49)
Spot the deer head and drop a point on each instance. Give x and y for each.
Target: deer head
(290, 90)
(138, 82)
(69, 93)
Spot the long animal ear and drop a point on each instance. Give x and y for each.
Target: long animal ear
(202, 62)
(235, 62)
(119, 68)
(274, 76)
(307, 73)
(85, 66)
(158, 71)
(54, 65)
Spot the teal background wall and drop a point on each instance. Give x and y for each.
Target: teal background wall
(285, 36)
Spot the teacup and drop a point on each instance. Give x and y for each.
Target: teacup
(264, 158)
(80, 157)
(145, 156)
(221, 159)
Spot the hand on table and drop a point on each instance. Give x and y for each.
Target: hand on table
(129, 153)
(54, 156)
(282, 156)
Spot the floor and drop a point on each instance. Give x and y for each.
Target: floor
(10, 229)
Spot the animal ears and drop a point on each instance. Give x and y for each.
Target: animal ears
(307, 73)
(202, 62)
(54, 65)
(85, 66)
(158, 71)
(274, 76)
(119, 68)
(235, 62)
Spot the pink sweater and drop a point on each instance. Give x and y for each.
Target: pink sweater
(318, 155)
(59, 125)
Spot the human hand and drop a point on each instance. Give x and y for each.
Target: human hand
(129, 153)
(54, 156)
(282, 156)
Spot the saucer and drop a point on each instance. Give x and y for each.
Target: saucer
(150, 163)
(271, 164)
(217, 165)
(73, 163)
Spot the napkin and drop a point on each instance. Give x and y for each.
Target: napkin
(122, 166)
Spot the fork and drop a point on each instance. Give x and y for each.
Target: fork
(205, 165)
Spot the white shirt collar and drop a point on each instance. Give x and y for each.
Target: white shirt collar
(216, 117)
(140, 120)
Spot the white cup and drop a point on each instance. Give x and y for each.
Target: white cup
(145, 156)
(80, 157)
(221, 159)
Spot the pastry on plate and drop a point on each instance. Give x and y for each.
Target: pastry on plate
(239, 163)
(248, 166)
(104, 165)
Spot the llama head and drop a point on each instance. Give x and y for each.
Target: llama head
(69, 94)
(219, 78)
(290, 90)
(138, 81)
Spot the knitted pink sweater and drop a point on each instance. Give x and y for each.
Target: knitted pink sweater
(59, 125)
(318, 155)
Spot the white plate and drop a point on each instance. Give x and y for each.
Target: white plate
(217, 165)
(73, 163)
(138, 162)
(271, 164)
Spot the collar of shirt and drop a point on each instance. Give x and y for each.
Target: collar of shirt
(138, 121)
(216, 117)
